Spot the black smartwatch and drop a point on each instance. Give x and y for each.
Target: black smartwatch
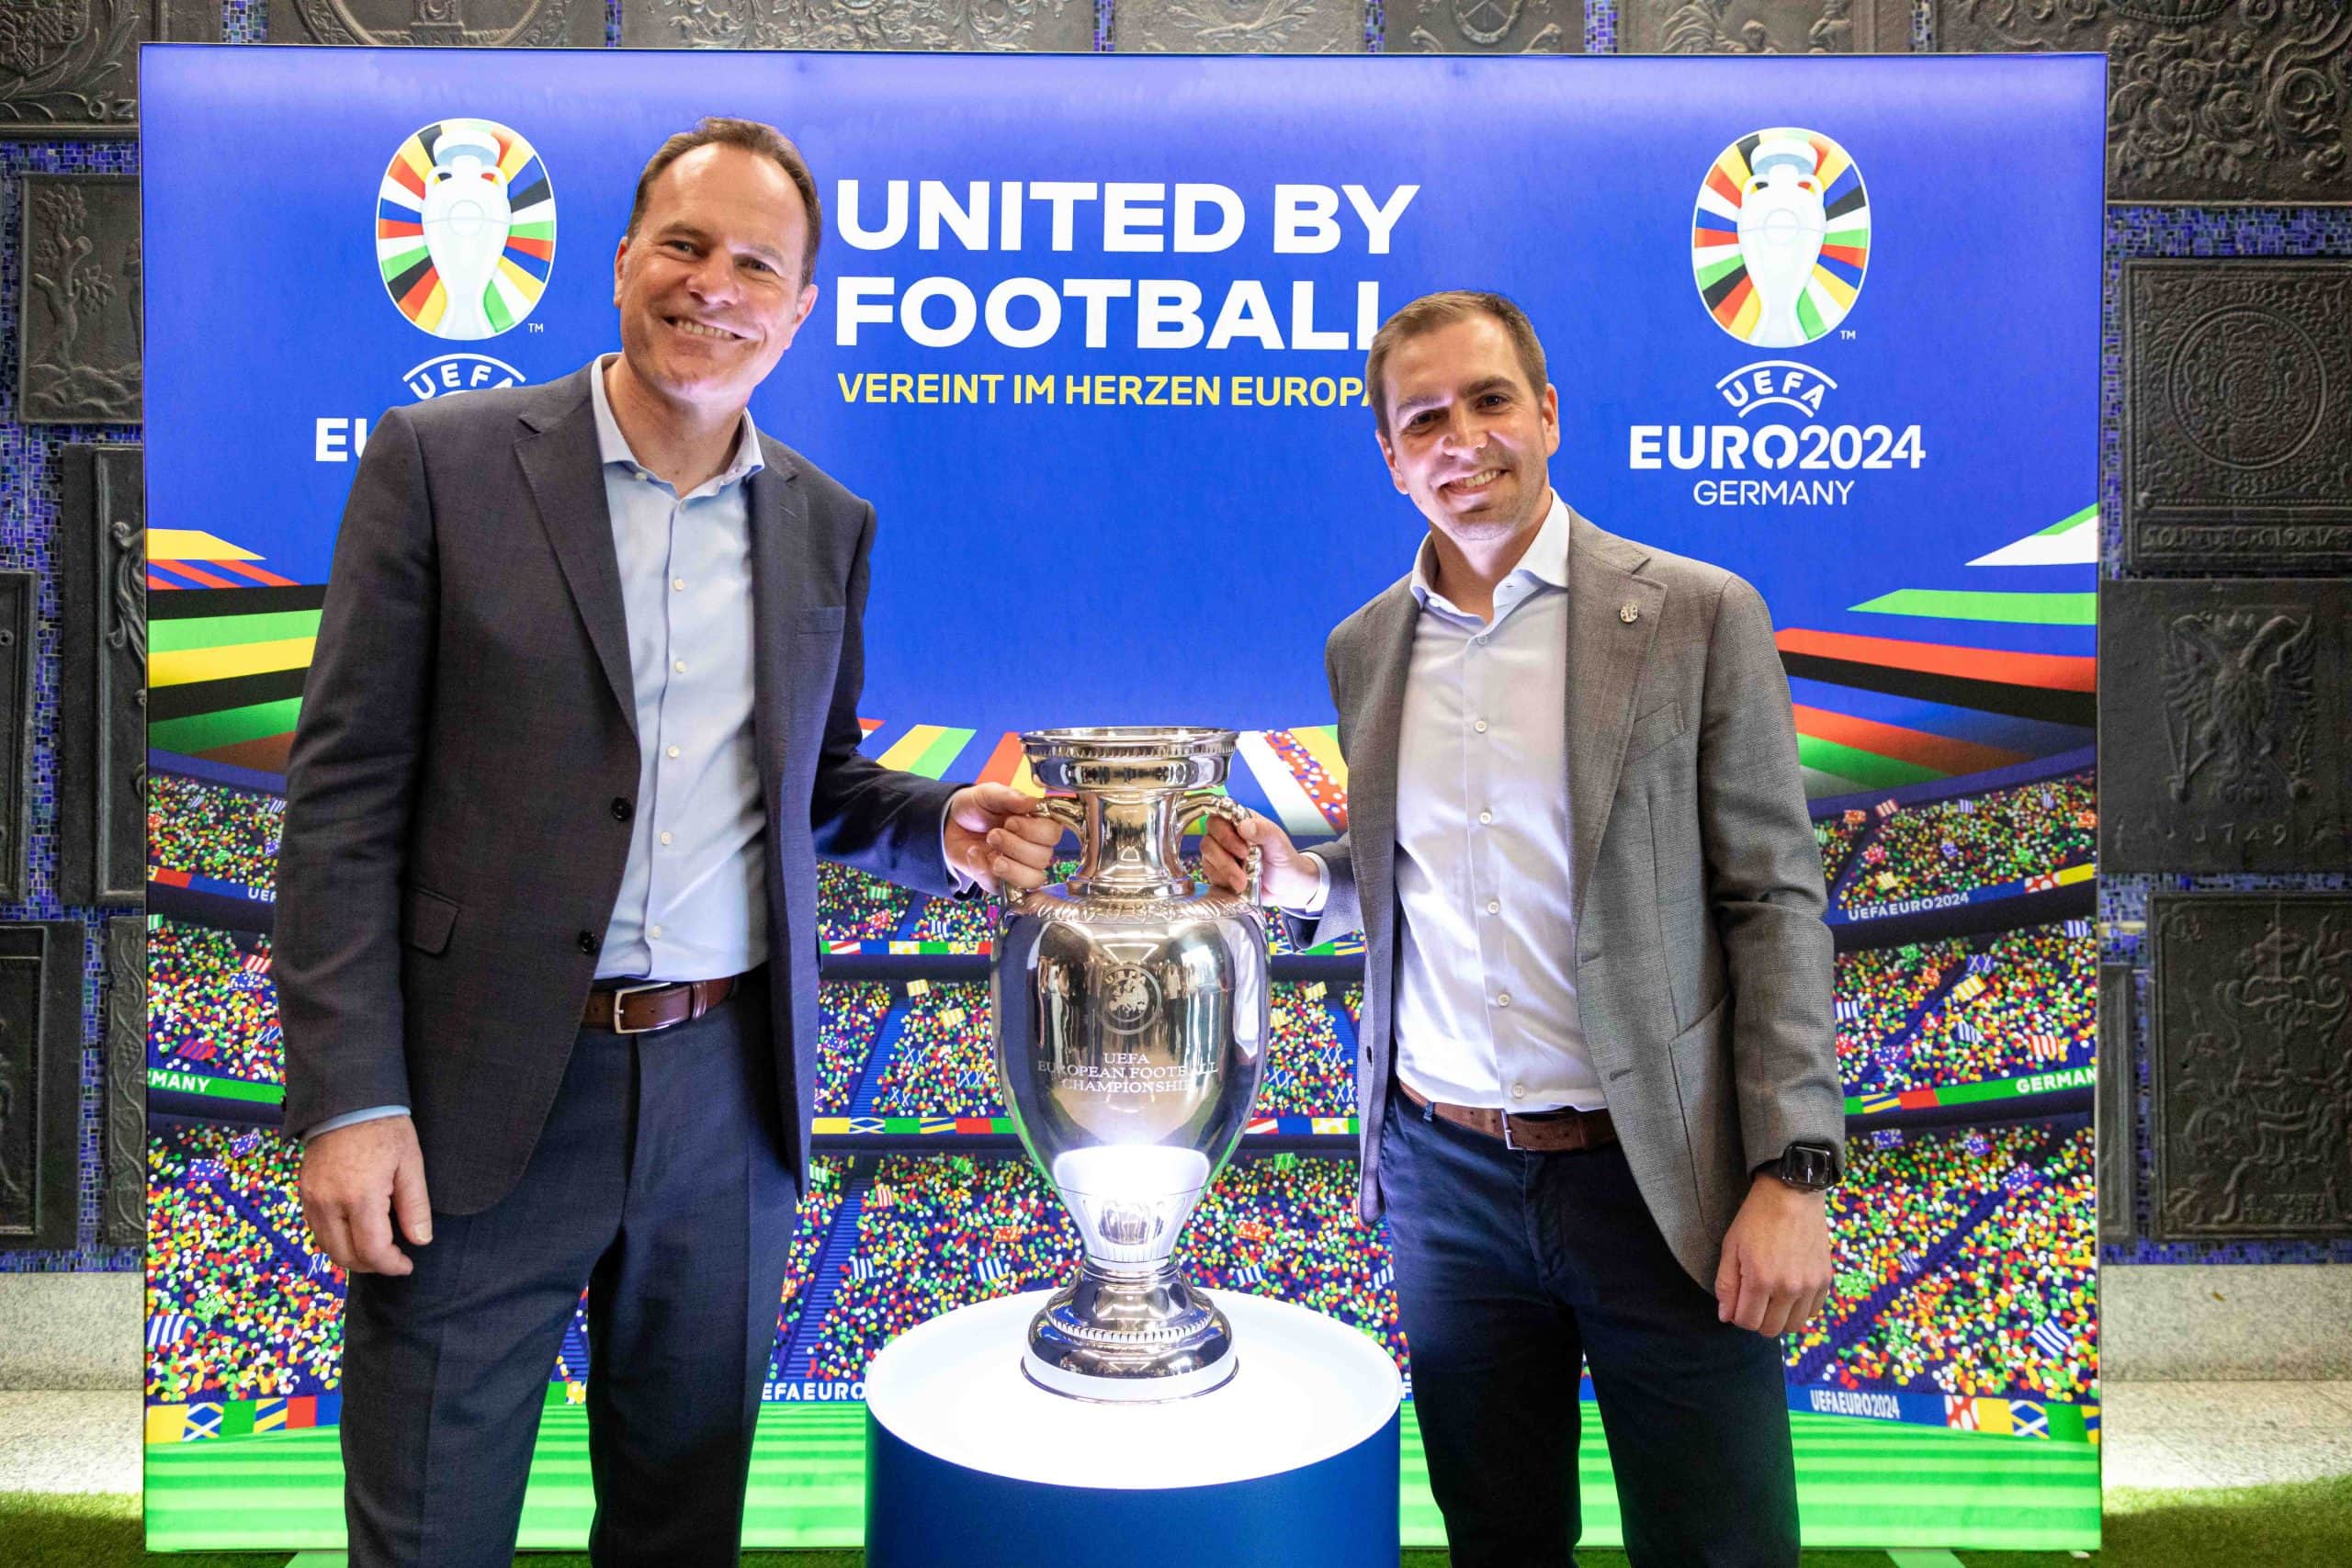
(1808, 1168)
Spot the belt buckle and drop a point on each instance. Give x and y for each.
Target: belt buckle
(1508, 1141)
(620, 1000)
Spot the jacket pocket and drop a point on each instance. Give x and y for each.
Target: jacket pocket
(1652, 731)
(427, 920)
(818, 620)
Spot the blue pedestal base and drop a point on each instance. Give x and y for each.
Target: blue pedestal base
(1293, 1464)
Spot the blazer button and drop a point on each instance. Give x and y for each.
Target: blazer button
(588, 944)
(622, 809)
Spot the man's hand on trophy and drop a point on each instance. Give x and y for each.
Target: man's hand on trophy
(995, 837)
(1291, 878)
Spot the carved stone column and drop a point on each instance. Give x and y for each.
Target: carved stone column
(122, 1201)
(102, 688)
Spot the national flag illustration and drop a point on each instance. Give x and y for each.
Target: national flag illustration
(1874, 1103)
(1969, 989)
(2087, 819)
(198, 1050)
(256, 963)
(1250, 1274)
(269, 1414)
(2050, 1340)
(2090, 1422)
(1959, 1411)
(1887, 808)
(866, 1123)
(2041, 884)
(1949, 849)
(1884, 880)
(861, 1268)
(2046, 1047)
(242, 1147)
(2018, 1177)
(1966, 1032)
(918, 987)
(1912, 1263)
(1874, 855)
(1331, 1124)
(1980, 964)
(930, 1125)
(203, 1421)
(206, 1168)
(1260, 1124)
(1856, 816)
(1385, 1276)
(994, 1269)
(2078, 928)
(168, 1328)
(1849, 1009)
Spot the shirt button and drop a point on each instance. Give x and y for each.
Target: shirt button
(1480, 727)
(1486, 816)
(654, 931)
(679, 665)
(673, 751)
(1502, 999)
(587, 942)
(665, 837)
(677, 585)
(1519, 1091)
(622, 809)
(1494, 905)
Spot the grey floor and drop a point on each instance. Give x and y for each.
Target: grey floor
(2168, 1435)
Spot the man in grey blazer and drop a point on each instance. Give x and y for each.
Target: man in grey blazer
(582, 717)
(1598, 1090)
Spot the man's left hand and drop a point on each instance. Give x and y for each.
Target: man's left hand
(1775, 1273)
(995, 837)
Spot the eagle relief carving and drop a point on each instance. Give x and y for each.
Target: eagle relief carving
(2238, 704)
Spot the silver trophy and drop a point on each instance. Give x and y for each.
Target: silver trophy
(1130, 1008)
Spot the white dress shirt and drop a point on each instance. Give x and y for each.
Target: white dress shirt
(1485, 1008)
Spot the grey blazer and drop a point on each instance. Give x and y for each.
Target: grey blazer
(466, 765)
(1703, 965)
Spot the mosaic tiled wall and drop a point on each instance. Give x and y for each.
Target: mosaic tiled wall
(29, 505)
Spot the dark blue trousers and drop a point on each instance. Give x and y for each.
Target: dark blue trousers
(660, 1184)
(1510, 1267)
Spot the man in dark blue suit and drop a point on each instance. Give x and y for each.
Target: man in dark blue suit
(582, 716)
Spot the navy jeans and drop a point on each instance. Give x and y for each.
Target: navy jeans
(659, 1184)
(1508, 1267)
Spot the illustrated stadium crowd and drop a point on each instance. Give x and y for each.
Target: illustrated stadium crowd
(1888, 854)
(1964, 1255)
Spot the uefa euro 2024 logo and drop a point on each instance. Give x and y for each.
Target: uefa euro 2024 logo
(1781, 238)
(465, 229)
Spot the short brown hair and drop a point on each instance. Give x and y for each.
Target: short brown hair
(752, 136)
(1431, 311)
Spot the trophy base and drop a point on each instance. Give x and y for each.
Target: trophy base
(1127, 1338)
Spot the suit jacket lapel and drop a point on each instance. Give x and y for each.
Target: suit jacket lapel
(1379, 702)
(560, 460)
(778, 516)
(1606, 653)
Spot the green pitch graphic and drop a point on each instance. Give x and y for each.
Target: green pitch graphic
(1860, 1483)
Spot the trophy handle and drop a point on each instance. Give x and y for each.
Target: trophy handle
(1199, 804)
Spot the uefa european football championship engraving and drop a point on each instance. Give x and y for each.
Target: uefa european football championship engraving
(1131, 1015)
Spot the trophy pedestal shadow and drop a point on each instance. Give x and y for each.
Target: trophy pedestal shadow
(1293, 1462)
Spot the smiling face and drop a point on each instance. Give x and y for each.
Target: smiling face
(1468, 438)
(708, 284)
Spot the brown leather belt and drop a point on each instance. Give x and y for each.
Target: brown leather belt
(1544, 1132)
(658, 1004)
